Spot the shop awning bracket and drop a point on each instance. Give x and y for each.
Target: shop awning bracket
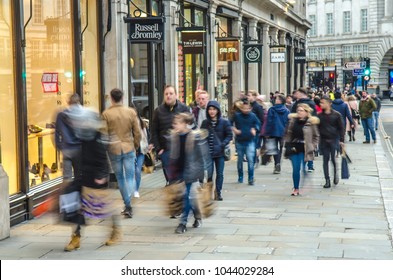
(87, 23)
(26, 24)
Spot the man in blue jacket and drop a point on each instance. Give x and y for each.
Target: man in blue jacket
(277, 119)
(340, 106)
(245, 126)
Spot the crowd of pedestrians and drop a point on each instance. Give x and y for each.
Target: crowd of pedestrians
(191, 143)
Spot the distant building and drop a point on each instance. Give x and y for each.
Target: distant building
(350, 31)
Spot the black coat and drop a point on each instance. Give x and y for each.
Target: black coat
(162, 123)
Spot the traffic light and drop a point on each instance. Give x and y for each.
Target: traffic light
(367, 70)
(331, 76)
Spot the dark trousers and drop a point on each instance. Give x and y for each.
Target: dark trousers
(328, 150)
(219, 163)
(277, 157)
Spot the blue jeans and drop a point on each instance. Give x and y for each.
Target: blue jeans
(297, 161)
(165, 163)
(124, 167)
(139, 160)
(190, 203)
(368, 126)
(219, 163)
(376, 118)
(247, 149)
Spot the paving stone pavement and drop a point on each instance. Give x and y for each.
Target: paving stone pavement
(352, 220)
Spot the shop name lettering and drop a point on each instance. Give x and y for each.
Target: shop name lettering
(151, 31)
(193, 44)
(228, 50)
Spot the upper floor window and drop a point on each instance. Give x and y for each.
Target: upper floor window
(329, 24)
(313, 30)
(37, 12)
(347, 22)
(363, 20)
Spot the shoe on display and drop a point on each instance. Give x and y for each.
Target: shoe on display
(53, 168)
(34, 128)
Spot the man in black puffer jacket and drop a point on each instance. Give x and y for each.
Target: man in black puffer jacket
(331, 128)
(162, 124)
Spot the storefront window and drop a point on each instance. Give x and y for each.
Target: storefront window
(90, 55)
(49, 81)
(8, 154)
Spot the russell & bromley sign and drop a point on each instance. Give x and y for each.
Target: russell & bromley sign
(146, 29)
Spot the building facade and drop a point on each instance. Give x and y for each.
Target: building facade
(51, 48)
(344, 32)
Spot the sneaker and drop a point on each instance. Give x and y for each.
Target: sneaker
(181, 229)
(136, 194)
(295, 192)
(375, 141)
(219, 197)
(197, 223)
(366, 142)
(277, 169)
(240, 180)
(127, 212)
(251, 182)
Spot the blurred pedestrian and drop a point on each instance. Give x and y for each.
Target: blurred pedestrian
(277, 119)
(199, 111)
(188, 152)
(301, 140)
(162, 124)
(122, 129)
(95, 197)
(332, 132)
(220, 135)
(66, 137)
(353, 105)
(246, 125)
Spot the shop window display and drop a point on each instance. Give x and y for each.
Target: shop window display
(49, 80)
(8, 154)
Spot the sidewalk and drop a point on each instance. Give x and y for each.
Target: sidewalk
(350, 221)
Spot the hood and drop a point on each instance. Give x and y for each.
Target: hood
(215, 104)
(312, 119)
(338, 101)
(280, 109)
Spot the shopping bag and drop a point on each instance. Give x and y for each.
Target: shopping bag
(174, 198)
(206, 201)
(271, 146)
(344, 168)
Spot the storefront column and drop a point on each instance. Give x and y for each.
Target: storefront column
(211, 53)
(274, 66)
(116, 55)
(237, 83)
(171, 44)
(388, 9)
(283, 66)
(265, 61)
(292, 85)
(253, 67)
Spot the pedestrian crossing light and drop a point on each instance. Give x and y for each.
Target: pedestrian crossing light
(367, 70)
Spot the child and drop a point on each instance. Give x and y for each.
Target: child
(187, 163)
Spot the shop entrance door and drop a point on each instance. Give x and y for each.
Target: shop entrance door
(147, 78)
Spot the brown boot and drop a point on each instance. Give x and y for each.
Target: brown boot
(115, 237)
(74, 243)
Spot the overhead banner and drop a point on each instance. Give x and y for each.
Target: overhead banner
(253, 53)
(228, 50)
(277, 57)
(300, 57)
(146, 29)
(192, 42)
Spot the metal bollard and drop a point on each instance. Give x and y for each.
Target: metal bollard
(4, 205)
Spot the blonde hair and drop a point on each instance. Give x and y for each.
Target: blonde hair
(306, 108)
(187, 118)
(253, 92)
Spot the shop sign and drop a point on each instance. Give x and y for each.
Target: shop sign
(147, 29)
(277, 57)
(50, 82)
(58, 30)
(300, 57)
(228, 50)
(192, 42)
(253, 53)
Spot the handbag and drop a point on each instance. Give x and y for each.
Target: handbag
(227, 153)
(205, 200)
(344, 165)
(290, 149)
(174, 198)
(271, 146)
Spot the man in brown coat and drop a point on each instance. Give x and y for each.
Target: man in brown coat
(122, 129)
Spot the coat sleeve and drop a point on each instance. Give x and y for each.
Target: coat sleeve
(348, 114)
(228, 133)
(269, 122)
(154, 132)
(315, 135)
